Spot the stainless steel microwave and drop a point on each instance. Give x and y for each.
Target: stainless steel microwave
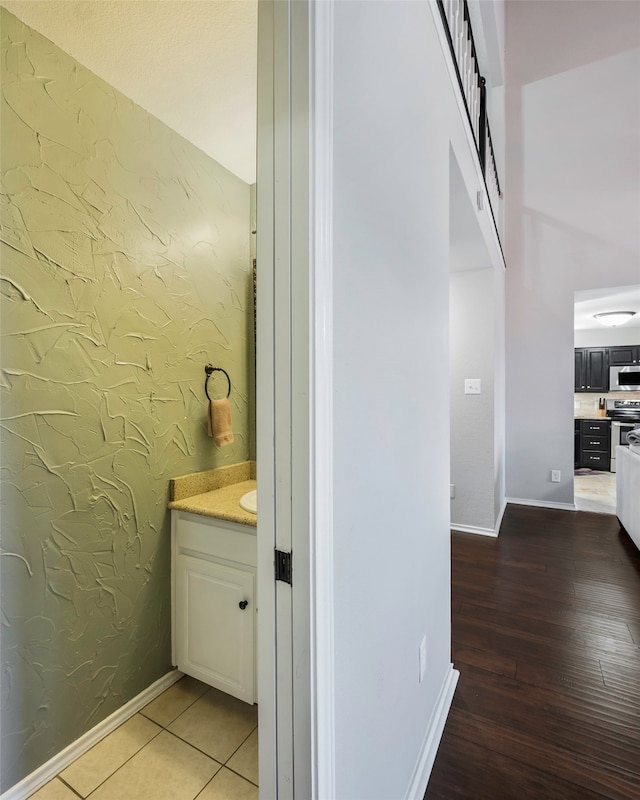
(624, 379)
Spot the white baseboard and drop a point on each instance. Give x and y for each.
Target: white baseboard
(501, 515)
(474, 529)
(27, 786)
(431, 741)
(542, 504)
(482, 531)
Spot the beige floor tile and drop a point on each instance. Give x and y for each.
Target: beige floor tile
(596, 492)
(601, 505)
(165, 769)
(228, 786)
(217, 724)
(95, 766)
(245, 759)
(174, 700)
(54, 790)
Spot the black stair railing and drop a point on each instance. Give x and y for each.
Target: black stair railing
(457, 25)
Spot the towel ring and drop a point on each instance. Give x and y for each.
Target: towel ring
(209, 369)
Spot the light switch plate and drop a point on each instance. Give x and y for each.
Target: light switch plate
(472, 386)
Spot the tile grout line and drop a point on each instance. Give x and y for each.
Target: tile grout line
(243, 742)
(118, 768)
(164, 728)
(133, 755)
(208, 755)
(68, 785)
(226, 763)
(195, 700)
(213, 777)
(223, 763)
(240, 775)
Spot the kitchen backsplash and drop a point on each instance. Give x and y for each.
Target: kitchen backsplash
(586, 405)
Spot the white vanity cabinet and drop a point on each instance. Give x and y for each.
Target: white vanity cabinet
(213, 577)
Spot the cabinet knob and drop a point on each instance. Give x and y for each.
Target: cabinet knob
(243, 604)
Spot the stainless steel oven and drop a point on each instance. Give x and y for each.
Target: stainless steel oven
(625, 417)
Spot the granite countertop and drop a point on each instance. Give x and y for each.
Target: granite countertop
(593, 415)
(216, 492)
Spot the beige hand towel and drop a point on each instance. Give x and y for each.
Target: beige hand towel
(219, 422)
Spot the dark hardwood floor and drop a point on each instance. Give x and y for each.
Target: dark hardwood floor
(546, 635)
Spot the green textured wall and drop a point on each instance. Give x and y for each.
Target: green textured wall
(125, 269)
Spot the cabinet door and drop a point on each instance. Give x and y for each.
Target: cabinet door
(580, 381)
(624, 356)
(597, 369)
(214, 632)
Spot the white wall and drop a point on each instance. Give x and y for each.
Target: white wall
(499, 389)
(492, 15)
(606, 337)
(374, 491)
(572, 210)
(488, 24)
(391, 516)
(471, 353)
(395, 119)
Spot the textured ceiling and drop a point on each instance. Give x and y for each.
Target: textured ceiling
(191, 63)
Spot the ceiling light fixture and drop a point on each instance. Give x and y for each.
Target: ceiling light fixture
(614, 318)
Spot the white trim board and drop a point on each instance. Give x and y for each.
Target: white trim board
(518, 501)
(431, 741)
(321, 426)
(501, 515)
(34, 781)
(474, 529)
(482, 531)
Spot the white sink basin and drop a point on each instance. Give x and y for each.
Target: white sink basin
(249, 502)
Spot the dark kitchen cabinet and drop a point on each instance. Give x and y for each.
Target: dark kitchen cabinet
(579, 370)
(592, 369)
(595, 444)
(624, 356)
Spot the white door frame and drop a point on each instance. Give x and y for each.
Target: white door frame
(295, 397)
(265, 408)
(321, 530)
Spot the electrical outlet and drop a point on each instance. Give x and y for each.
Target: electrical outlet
(422, 657)
(452, 490)
(555, 476)
(472, 386)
